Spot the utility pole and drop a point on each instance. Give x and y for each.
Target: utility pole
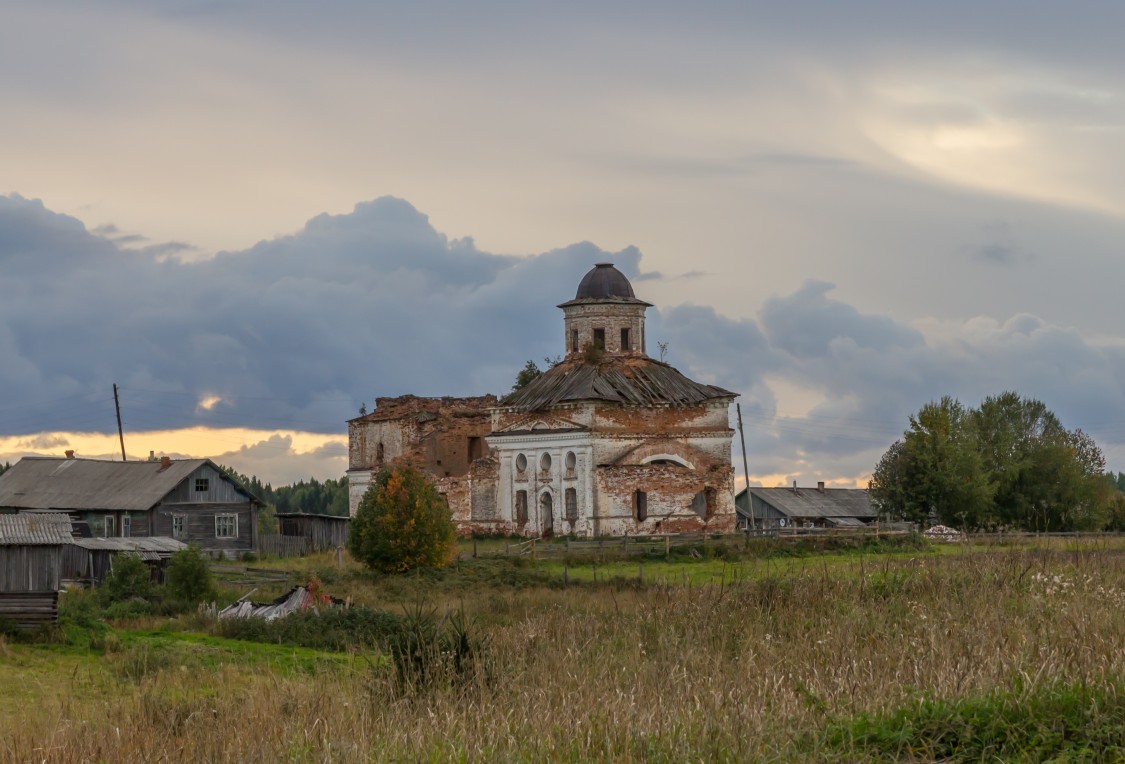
(121, 434)
(745, 468)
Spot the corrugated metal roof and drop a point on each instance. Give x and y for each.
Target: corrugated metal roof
(34, 529)
(147, 547)
(630, 380)
(813, 502)
(41, 482)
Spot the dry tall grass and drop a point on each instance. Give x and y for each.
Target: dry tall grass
(660, 673)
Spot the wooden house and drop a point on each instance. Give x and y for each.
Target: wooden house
(190, 500)
(31, 548)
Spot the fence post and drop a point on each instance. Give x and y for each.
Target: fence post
(533, 550)
(474, 548)
(564, 575)
(641, 572)
(667, 544)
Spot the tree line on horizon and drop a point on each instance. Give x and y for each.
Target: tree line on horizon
(1007, 464)
(311, 496)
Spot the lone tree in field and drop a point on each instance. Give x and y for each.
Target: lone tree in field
(402, 523)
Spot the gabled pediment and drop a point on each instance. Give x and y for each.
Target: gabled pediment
(540, 422)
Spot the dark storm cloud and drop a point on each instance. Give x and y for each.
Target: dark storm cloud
(293, 332)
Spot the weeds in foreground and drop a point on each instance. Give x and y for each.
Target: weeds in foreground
(890, 658)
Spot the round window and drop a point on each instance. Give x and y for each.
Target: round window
(521, 462)
(545, 462)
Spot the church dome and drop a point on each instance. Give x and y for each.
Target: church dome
(604, 281)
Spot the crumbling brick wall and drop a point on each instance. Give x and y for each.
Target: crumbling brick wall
(675, 499)
(439, 436)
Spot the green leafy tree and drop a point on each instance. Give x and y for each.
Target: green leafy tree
(403, 523)
(1009, 463)
(934, 472)
(128, 578)
(188, 577)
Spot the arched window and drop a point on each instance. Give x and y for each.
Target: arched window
(521, 507)
(640, 505)
(571, 505)
(571, 462)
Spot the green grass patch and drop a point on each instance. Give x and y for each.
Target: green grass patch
(1053, 722)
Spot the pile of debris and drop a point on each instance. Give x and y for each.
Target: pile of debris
(943, 533)
(299, 599)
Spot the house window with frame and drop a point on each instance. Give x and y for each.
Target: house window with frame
(202, 485)
(108, 528)
(179, 527)
(126, 525)
(226, 526)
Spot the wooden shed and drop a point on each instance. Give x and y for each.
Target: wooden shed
(320, 531)
(89, 560)
(31, 548)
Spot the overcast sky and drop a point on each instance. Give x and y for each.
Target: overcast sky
(255, 216)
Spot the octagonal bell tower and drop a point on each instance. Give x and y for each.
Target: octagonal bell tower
(605, 315)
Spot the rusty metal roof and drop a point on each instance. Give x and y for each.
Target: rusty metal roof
(814, 502)
(34, 529)
(42, 482)
(629, 380)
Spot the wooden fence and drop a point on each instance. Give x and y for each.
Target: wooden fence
(283, 546)
(664, 543)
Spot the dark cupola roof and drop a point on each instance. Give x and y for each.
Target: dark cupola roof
(604, 283)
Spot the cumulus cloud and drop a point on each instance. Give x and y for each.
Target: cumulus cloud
(277, 460)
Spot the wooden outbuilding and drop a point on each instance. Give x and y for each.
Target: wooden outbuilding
(320, 531)
(89, 560)
(31, 549)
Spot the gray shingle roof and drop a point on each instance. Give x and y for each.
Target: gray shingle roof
(40, 482)
(814, 503)
(637, 381)
(34, 529)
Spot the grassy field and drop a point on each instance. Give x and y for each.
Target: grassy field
(1012, 652)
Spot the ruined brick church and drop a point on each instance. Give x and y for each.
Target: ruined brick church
(605, 443)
